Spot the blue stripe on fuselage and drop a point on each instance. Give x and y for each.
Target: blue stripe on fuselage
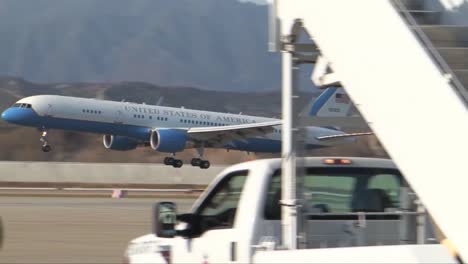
(28, 117)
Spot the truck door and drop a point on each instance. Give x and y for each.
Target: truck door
(216, 241)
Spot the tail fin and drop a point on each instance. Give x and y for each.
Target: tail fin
(333, 102)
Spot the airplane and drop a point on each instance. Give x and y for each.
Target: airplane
(126, 125)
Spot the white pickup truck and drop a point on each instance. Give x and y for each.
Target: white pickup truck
(357, 210)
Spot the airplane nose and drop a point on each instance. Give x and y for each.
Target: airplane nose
(20, 116)
(6, 115)
(15, 115)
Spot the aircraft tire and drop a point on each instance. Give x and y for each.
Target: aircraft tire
(46, 148)
(204, 164)
(169, 161)
(195, 162)
(177, 163)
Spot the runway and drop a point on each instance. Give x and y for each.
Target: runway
(75, 229)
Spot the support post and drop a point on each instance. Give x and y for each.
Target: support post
(288, 200)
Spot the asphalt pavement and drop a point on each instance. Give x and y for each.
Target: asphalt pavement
(77, 229)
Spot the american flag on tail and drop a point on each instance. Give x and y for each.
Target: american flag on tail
(341, 98)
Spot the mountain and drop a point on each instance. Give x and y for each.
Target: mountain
(213, 44)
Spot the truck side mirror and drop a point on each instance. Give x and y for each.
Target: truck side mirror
(164, 219)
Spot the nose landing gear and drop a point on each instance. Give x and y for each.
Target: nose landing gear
(46, 148)
(45, 144)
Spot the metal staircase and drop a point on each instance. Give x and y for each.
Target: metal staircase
(447, 44)
(405, 68)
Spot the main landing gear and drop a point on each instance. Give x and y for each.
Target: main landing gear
(198, 162)
(203, 164)
(176, 163)
(45, 144)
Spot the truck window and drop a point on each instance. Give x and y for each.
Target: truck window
(390, 185)
(339, 190)
(326, 193)
(219, 209)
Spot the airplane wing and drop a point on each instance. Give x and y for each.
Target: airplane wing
(222, 135)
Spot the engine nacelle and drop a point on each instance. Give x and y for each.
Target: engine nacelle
(168, 140)
(119, 143)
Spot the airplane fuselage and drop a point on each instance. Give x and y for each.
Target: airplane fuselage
(137, 120)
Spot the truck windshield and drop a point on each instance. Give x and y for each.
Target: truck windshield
(219, 209)
(339, 190)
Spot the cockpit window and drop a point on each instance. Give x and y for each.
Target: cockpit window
(22, 105)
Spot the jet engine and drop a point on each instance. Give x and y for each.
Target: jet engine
(119, 143)
(168, 140)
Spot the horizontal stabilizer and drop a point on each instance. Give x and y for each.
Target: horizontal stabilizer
(330, 137)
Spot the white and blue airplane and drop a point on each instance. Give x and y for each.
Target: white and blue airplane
(126, 125)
